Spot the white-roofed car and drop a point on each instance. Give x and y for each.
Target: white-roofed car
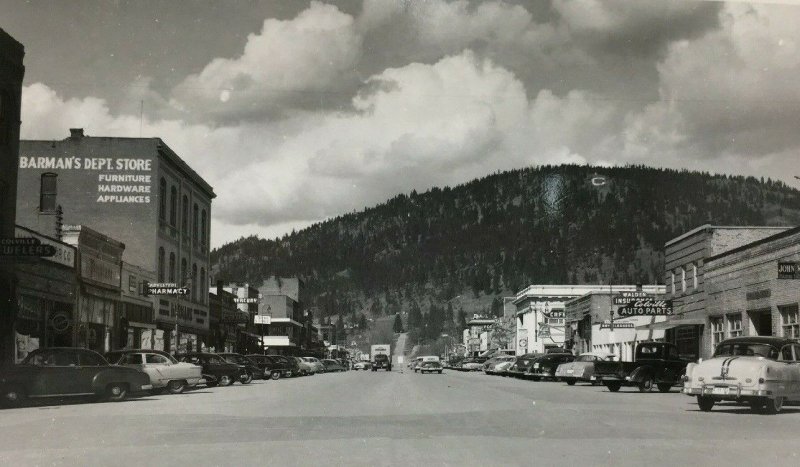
(498, 364)
(164, 370)
(582, 369)
(762, 371)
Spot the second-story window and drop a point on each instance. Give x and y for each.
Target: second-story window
(203, 292)
(162, 199)
(172, 267)
(185, 215)
(203, 236)
(694, 276)
(173, 206)
(683, 279)
(672, 282)
(194, 223)
(194, 282)
(48, 192)
(183, 272)
(161, 265)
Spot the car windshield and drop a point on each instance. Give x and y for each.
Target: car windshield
(745, 349)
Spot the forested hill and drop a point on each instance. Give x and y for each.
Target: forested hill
(495, 235)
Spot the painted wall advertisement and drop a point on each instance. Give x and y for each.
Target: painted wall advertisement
(119, 180)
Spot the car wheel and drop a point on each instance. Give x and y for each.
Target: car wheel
(613, 386)
(246, 378)
(116, 392)
(276, 375)
(646, 385)
(773, 406)
(571, 382)
(13, 397)
(176, 387)
(225, 380)
(664, 387)
(705, 403)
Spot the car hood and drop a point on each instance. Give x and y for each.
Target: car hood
(729, 370)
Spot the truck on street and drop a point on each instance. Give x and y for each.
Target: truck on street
(381, 357)
(655, 364)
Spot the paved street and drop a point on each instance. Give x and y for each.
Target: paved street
(367, 418)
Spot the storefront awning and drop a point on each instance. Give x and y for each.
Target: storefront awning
(134, 324)
(674, 323)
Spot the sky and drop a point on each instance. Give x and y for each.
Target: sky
(299, 111)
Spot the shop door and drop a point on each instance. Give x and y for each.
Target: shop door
(761, 321)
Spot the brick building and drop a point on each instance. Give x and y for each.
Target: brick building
(745, 295)
(684, 261)
(11, 74)
(139, 192)
(281, 300)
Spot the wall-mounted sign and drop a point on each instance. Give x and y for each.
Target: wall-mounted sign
(647, 308)
(262, 319)
(610, 325)
(625, 298)
(758, 294)
(25, 246)
(789, 270)
(554, 314)
(165, 289)
(60, 321)
(245, 300)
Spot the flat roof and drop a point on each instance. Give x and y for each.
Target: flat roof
(720, 227)
(785, 233)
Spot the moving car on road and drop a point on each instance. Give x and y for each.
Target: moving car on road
(67, 371)
(216, 370)
(582, 369)
(269, 367)
(362, 365)
(655, 364)
(762, 371)
(164, 370)
(420, 361)
(431, 366)
(544, 367)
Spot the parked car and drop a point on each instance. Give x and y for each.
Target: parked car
(519, 367)
(364, 365)
(471, 364)
(544, 366)
(332, 365)
(67, 371)
(164, 370)
(498, 364)
(655, 364)
(269, 367)
(305, 368)
(291, 365)
(251, 369)
(318, 366)
(431, 366)
(216, 370)
(762, 371)
(582, 369)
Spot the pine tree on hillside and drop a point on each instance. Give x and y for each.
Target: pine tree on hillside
(398, 323)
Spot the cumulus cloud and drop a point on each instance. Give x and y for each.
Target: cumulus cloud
(325, 113)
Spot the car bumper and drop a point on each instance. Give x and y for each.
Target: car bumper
(725, 391)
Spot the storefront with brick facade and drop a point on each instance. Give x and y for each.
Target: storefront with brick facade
(745, 295)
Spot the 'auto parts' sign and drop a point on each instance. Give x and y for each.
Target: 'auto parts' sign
(647, 307)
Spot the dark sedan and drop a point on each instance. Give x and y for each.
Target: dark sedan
(270, 368)
(522, 365)
(251, 368)
(544, 367)
(66, 371)
(216, 370)
(333, 365)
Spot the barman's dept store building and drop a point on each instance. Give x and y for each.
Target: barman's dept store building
(139, 192)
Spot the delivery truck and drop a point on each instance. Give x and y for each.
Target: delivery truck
(381, 357)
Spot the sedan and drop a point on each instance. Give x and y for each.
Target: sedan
(362, 365)
(305, 368)
(251, 370)
(269, 367)
(431, 367)
(318, 366)
(544, 367)
(216, 370)
(164, 370)
(582, 369)
(66, 371)
(332, 365)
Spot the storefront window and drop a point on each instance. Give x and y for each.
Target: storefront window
(791, 324)
(735, 325)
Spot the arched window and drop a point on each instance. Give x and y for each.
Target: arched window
(172, 267)
(194, 282)
(47, 192)
(173, 206)
(162, 199)
(183, 271)
(203, 236)
(194, 223)
(185, 215)
(203, 292)
(161, 265)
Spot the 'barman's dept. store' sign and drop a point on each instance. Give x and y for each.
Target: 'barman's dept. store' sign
(120, 180)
